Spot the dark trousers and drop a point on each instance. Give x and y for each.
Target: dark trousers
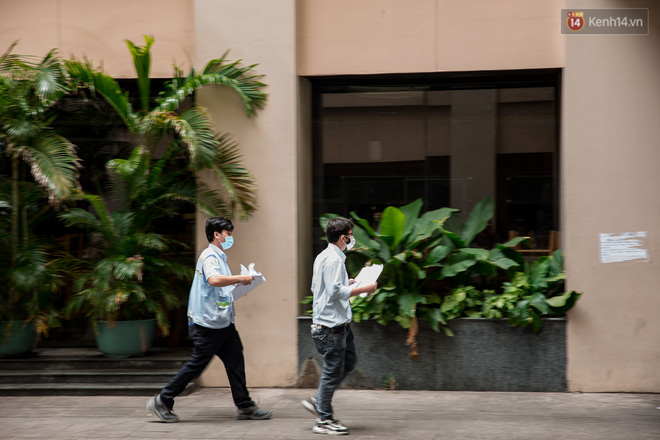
(337, 346)
(224, 343)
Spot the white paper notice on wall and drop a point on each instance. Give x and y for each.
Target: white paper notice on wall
(625, 246)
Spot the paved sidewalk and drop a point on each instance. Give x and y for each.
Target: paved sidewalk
(370, 414)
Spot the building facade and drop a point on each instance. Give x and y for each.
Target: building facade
(449, 101)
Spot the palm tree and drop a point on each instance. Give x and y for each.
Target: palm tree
(188, 133)
(28, 91)
(136, 271)
(42, 170)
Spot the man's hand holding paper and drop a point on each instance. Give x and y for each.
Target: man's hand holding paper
(243, 289)
(366, 279)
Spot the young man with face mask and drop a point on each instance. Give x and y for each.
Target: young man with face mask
(331, 319)
(211, 327)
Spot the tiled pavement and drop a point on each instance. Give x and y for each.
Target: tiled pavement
(370, 414)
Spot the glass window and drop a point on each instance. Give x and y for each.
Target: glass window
(449, 139)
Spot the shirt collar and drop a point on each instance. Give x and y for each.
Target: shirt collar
(218, 251)
(336, 249)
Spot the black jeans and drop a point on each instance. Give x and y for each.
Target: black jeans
(224, 343)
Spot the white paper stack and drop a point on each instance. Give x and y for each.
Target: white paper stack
(240, 290)
(368, 275)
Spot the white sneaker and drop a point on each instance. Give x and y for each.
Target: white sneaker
(310, 405)
(329, 426)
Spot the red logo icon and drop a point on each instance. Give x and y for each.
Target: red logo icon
(575, 21)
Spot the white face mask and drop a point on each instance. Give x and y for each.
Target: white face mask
(350, 244)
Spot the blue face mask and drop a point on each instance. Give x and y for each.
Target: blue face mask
(229, 242)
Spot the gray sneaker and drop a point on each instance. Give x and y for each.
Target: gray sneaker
(155, 406)
(253, 413)
(329, 426)
(310, 405)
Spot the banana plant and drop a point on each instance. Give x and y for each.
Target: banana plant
(416, 250)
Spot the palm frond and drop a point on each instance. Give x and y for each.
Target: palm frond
(218, 72)
(157, 123)
(132, 172)
(142, 61)
(51, 80)
(106, 221)
(107, 87)
(82, 219)
(151, 241)
(53, 162)
(211, 203)
(236, 179)
(201, 125)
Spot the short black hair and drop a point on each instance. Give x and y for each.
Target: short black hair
(337, 227)
(217, 224)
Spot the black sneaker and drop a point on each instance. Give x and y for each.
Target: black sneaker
(253, 413)
(155, 406)
(330, 427)
(310, 405)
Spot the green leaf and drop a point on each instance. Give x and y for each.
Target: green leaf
(364, 224)
(454, 238)
(428, 223)
(538, 272)
(505, 263)
(437, 254)
(538, 301)
(408, 303)
(325, 218)
(514, 242)
(391, 225)
(411, 212)
(476, 253)
(457, 268)
(142, 62)
(561, 304)
(478, 219)
(556, 264)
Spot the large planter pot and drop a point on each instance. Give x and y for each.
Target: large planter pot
(122, 339)
(16, 337)
(483, 355)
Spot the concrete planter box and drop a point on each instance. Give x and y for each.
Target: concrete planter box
(483, 355)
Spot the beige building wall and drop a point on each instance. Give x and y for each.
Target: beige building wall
(262, 32)
(338, 37)
(97, 31)
(610, 160)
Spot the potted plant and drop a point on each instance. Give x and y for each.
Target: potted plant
(130, 280)
(432, 271)
(39, 168)
(136, 274)
(433, 274)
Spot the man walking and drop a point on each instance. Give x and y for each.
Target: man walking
(211, 327)
(331, 319)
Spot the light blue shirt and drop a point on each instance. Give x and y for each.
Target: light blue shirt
(332, 305)
(209, 306)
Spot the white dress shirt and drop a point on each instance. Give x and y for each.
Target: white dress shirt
(332, 306)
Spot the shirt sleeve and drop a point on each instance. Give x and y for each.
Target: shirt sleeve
(335, 278)
(211, 267)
